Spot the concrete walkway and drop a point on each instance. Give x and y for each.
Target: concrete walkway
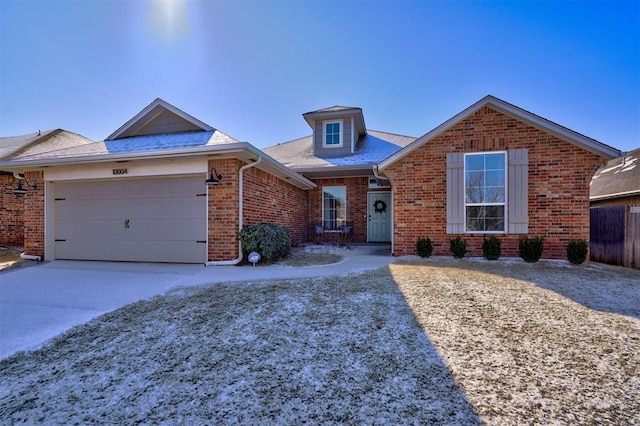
(40, 302)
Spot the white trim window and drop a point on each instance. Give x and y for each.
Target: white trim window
(334, 207)
(485, 190)
(332, 134)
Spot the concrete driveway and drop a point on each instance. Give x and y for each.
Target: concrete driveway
(40, 302)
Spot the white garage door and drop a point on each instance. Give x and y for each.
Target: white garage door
(150, 220)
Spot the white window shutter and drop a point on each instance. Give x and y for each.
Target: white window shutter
(518, 191)
(455, 193)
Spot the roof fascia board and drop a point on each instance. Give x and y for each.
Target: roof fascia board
(105, 158)
(310, 117)
(616, 195)
(242, 150)
(158, 102)
(543, 124)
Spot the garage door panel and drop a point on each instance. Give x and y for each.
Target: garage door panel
(146, 251)
(92, 229)
(151, 220)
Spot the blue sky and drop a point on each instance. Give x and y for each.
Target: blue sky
(251, 69)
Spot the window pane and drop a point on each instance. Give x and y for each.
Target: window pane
(334, 211)
(485, 218)
(493, 194)
(474, 162)
(494, 178)
(494, 161)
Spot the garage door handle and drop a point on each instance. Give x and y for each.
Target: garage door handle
(126, 224)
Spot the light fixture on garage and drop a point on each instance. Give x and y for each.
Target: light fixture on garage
(20, 190)
(214, 178)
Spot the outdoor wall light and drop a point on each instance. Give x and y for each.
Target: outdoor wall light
(21, 190)
(214, 178)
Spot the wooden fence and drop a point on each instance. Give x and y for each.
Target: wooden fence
(615, 235)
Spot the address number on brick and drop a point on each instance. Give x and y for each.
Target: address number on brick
(119, 171)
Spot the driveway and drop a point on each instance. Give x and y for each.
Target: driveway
(40, 302)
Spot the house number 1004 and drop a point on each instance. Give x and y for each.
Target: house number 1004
(119, 171)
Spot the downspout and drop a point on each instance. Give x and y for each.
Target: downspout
(30, 257)
(240, 208)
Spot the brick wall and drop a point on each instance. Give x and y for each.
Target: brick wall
(34, 215)
(559, 176)
(11, 212)
(223, 211)
(267, 199)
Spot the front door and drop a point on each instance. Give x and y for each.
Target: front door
(379, 212)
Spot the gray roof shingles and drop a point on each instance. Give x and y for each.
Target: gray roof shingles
(372, 148)
(136, 144)
(618, 177)
(34, 144)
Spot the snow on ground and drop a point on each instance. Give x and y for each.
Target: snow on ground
(423, 341)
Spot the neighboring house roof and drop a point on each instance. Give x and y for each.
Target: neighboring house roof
(38, 143)
(372, 148)
(517, 113)
(618, 178)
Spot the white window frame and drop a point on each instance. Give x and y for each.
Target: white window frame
(324, 134)
(505, 203)
(339, 222)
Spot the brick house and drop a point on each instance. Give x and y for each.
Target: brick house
(168, 187)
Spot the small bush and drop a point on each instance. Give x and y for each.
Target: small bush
(491, 248)
(577, 251)
(424, 247)
(272, 241)
(458, 247)
(530, 248)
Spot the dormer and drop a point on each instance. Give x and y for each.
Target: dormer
(336, 130)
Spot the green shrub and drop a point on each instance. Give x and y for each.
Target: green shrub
(577, 251)
(424, 247)
(458, 247)
(491, 248)
(530, 248)
(272, 241)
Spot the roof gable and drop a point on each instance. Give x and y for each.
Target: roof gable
(516, 113)
(159, 117)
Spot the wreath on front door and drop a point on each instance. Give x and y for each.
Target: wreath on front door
(380, 206)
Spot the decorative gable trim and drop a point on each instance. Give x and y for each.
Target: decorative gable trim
(150, 113)
(517, 113)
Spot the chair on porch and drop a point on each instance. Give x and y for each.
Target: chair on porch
(346, 235)
(318, 236)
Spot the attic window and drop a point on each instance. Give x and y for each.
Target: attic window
(332, 137)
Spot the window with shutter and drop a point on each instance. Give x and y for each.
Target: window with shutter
(488, 192)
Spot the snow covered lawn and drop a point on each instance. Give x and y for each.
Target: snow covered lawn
(423, 341)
